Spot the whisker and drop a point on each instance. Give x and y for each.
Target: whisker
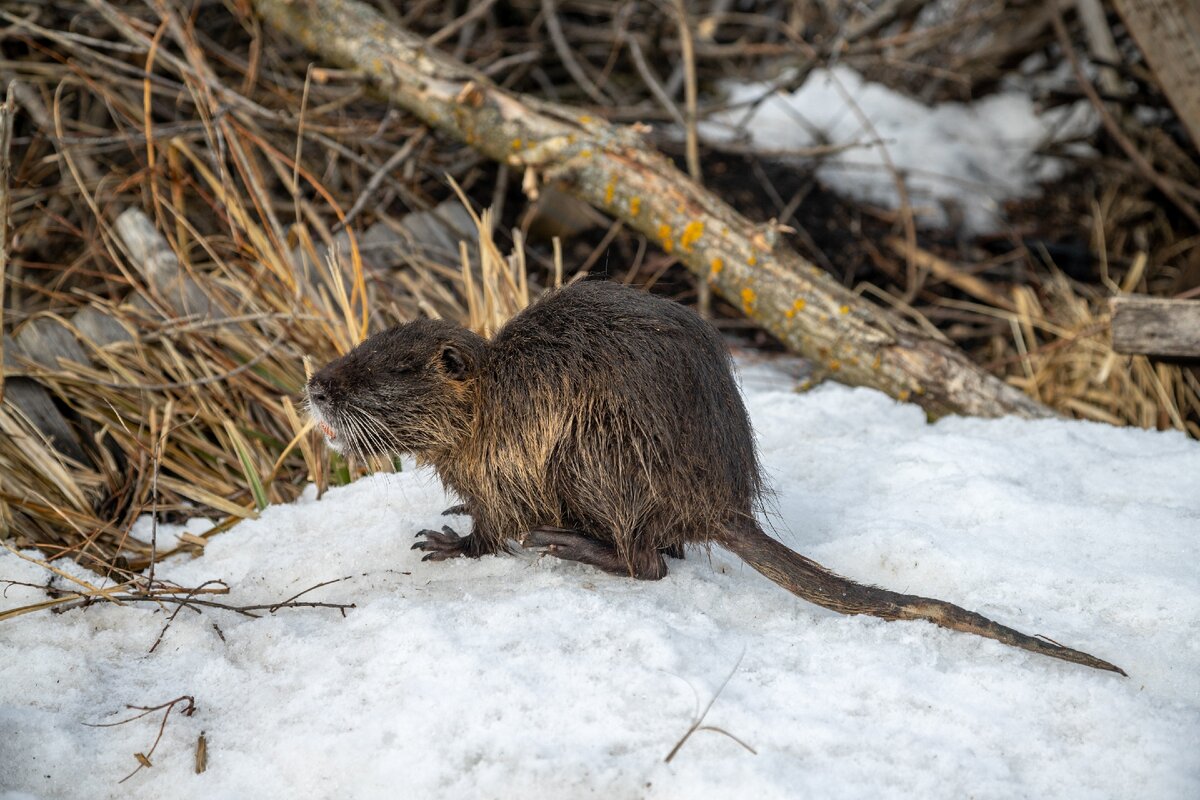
(382, 435)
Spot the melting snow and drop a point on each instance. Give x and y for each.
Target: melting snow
(966, 157)
(517, 677)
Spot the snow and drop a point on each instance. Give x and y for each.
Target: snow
(519, 677)
(965, 157)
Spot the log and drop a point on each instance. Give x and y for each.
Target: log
(37, 406)
(1168, 34)
(45, 340)
(1155, 326)
(616, 170)
(100, 328)
(421, 235)
(180, 294)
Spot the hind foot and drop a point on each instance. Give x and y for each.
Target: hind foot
(444, 544)
(573, 546)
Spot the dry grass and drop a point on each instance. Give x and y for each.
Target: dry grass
(202, 415)
(1066, 360)
(1060, 351)
(184, 412)
(276, 195)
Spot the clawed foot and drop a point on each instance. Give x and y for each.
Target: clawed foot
(455, 510)
(443, 544)
(549, 540)
(571, 545)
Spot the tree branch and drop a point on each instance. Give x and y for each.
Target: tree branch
(616, 170)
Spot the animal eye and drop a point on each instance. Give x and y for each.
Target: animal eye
(409, 369)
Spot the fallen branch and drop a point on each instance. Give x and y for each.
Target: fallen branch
(143, 759)
(161, 593)
(614, 169)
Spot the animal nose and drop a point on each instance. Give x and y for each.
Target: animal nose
(318, 392)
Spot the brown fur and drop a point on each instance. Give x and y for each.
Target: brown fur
(601, 425)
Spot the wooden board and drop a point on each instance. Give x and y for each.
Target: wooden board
(1168, 33)
(1155, 326)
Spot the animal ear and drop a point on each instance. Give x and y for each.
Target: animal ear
(453, 362)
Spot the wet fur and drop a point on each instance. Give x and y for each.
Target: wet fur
(601, 424)
(547, 424)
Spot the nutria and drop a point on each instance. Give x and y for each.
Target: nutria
(601, 425)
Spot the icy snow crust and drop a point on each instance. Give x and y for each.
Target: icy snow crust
(972, 157)
(517, 677)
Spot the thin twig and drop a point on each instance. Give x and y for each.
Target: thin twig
(689, 88)
(291, 600)
(563, 48)
(394, 160)
(652, 83)
(474, 11)
(697, 724)
(143, 759)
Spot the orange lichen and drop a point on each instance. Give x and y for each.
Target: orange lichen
(835, 365)
(752, 260)
(844, 309)
(747, 298)
(610, 191)
(664, 236)
(691, 234)
(902, 395)
(797, 307)
(516, 144)
(635, 205)
(717, 265)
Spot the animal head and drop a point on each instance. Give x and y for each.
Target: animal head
(405, 390)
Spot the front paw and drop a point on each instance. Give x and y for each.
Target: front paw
(441, 545)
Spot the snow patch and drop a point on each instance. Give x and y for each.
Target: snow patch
(518, 677)
(954, 156)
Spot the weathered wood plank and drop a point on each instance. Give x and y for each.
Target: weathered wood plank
(1155, 326)
(100, 328)
(46, 340)
(1168, 33)
(170, 284)
(37, 406)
